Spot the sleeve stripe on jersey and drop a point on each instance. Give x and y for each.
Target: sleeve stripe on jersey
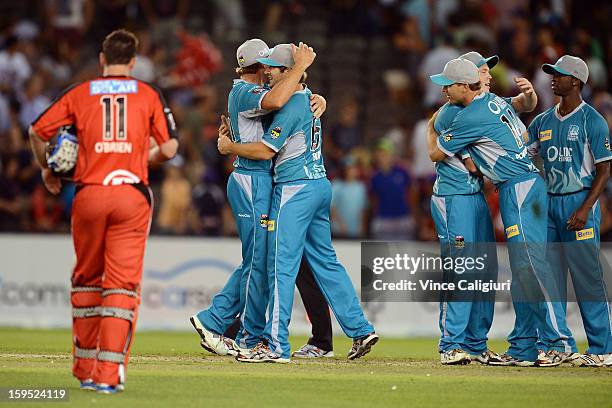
(603, 159)
(57, 98)
(443, 149)
(170, 124)
(270, 145)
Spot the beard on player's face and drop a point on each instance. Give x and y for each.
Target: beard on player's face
(274, 75)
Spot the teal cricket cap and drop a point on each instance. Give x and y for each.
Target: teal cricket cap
(569, 65)
(457, 71)
(280, 56)
(479, 60)
(250, 50)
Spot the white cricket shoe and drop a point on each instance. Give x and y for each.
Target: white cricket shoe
(486, 357)
(310, 351)
(507, 360)
(210, 341)
(593, 360)
(260, 354)
(455, 357)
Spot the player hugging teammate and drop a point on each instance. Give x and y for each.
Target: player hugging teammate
(478, 133)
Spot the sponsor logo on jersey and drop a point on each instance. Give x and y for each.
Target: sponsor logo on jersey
(572, 133)
(263, 221)
(447, 137)
(276, 132)
(257, 90)
(113, 86)
(607, 144)
(244, 215)
(459, 241)
(545, 135)
(512, 231)
(561, 154)
(271, 225)
(585, 234)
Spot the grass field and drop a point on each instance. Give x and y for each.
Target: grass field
(170, 369)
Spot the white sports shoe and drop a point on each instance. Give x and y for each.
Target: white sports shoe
(487, 357)
(215, 343)
(593, 360)
(455, 357)
(260, 354)
(310, 351)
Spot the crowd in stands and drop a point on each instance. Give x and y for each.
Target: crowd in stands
(374, 138)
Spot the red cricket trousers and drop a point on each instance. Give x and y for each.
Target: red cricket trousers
(110, 225)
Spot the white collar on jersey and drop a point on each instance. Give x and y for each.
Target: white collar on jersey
(480, 95)
(569, 114)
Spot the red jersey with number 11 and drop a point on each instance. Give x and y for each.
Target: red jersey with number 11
(114, 117)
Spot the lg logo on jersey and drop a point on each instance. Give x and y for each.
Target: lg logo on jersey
(563, 154)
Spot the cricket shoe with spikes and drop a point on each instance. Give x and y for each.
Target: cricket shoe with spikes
(593, 360)
(260, 354)
(455, 357)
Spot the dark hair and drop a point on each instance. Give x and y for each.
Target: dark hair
(119, 47)
(475, 86)
(251, 69)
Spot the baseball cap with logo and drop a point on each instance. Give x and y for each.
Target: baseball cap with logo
(479, 60)
(457, 71)
(280, 56)
(250, 50)
(568, 65)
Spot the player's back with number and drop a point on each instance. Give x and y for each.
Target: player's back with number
(491, 130)
(114, 118)
(296, 135)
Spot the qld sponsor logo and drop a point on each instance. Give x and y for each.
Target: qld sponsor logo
(585, 234)
(512, 231)
(545, 135)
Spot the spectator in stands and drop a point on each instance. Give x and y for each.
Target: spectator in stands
(10, 206)
(390, 188)
(32, 100)
(14, 67)
(175, 209)
(349, 202)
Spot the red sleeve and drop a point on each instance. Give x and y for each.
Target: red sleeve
(58, 114)
(163, 126)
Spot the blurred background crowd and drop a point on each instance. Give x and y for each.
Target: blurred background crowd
(373, 61)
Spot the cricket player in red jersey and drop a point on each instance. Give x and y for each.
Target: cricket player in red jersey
(114, 116)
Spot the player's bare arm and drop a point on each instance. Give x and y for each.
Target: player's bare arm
(527, 100)
(579, 218)
(471, 167)
(435, 154)
(253, 151)
(278, 96)
(52, 183)
(318, 105)
(163, 152)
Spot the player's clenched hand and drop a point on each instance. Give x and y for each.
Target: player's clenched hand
(577, 220)
(53, 184)
(524, 85)
(303, 55)
(224, 129)
(318, 104)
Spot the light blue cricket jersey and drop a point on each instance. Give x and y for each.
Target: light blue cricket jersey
(296, 136)
(452, 177)
(246, 115)
(570, 146)
(492, 133)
